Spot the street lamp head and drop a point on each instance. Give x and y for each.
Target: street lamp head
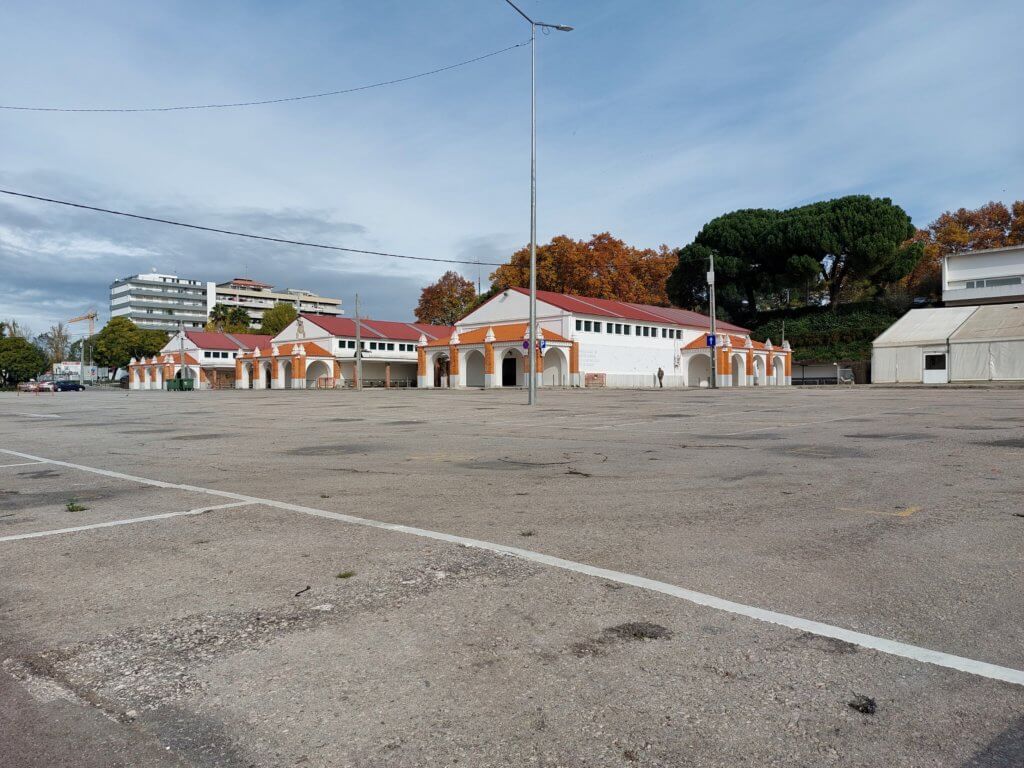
(563, 27)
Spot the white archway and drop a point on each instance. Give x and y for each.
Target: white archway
(739, 370)
(759, 378)
(318, 369)
(698, 371)
(556, 368)
(780, 371)
(512, 371)
(473, 365)
(284, 374)
(266, 375)
(159, 373)
(245, 381)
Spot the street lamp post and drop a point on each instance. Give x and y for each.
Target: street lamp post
(532, 352)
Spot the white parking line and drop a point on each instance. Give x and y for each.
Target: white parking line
(43, 415)
(20, 464)
(892, 647)
(126, 521)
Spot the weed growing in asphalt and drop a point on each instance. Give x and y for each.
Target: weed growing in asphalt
(345, 575)
(74, 506)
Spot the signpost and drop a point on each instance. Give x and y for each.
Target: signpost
(712, 340)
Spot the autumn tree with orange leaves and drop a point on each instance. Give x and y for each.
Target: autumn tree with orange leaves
(603, 267)
(447, 300)
(993, 225)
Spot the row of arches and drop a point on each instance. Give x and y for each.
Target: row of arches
(510, 370)
(699, 370)
(262, 377)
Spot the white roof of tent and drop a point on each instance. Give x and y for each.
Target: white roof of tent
(993, 322)
(924, 326)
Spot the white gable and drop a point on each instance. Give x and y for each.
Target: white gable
(508, 307)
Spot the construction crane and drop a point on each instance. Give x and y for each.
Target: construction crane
(91, 317)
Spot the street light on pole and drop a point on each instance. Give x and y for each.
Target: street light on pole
(532, 352)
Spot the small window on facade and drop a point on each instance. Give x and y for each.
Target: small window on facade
(391, 347)
(579, 325)
(625, 330)
(597, 326)
(935, 362)
(618, 328)
(609, 327)
(586, 325)
(679, 333)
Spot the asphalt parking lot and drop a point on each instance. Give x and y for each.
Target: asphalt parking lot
(765, 577)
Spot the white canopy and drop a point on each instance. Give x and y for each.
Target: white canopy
(924, 326)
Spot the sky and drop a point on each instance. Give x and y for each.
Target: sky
(654, 116)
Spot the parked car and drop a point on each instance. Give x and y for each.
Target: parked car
(28, 386)
(69, 386)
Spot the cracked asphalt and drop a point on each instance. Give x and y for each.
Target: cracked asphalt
(260, 634)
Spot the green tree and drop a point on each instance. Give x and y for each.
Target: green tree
(227, 319)
(277, 318)
(853, 240)
(120, 340)
(20, 360)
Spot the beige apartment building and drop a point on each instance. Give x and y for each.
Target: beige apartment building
(257, 297)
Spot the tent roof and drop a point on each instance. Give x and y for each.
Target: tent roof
(924, 326)
(992, 322)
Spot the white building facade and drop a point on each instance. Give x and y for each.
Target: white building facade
(256, 298)
(621, 344)
(160, 302)
(991, 276)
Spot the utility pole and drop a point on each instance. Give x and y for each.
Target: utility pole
(711, 300)
(532, 352)
(81, 364)
(784, 317)
(359, 348)
(181, 349)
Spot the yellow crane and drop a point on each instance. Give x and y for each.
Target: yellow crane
(90, 316)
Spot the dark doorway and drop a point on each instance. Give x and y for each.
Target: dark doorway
(508, 372)
(266, 377)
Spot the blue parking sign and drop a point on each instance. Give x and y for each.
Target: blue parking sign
(712, 340)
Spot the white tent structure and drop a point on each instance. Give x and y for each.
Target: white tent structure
(937, 346)
(914, 349)
(989, 346)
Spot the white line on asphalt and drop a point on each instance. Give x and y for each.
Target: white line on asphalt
(892, 647)
(43, 415)
(127, 521)
(20, 464)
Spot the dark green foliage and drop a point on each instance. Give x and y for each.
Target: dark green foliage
(120, 340)
(831, 248)
(818, 334)
(277, 318)
(20, 360)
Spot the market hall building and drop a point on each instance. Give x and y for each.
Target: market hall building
(209, 360)
(598, 343)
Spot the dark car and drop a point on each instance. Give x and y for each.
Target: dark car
(68, 386)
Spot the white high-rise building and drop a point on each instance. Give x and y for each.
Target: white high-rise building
(161, 302)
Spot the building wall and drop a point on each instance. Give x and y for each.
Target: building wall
(256, 302)
(160, 302)
(980, 277)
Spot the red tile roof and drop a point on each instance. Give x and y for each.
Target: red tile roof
(628, 311)
(378, 329)
(226, 341)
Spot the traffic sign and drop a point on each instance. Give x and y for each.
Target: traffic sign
(712, 340)
(526, 344)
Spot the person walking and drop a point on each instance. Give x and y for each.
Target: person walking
(661, 376)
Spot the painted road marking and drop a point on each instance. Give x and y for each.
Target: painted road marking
(43, 415)
(20, 464)
(127, 521)
(891, 647)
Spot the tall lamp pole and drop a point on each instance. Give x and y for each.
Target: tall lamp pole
(532, 352)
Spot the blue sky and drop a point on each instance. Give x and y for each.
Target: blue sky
(654, 116)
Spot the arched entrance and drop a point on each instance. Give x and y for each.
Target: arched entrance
(555, 368)
(265, 372)
(759, 371)
(698, 371)
(780, 371)
(512, 370)
(317, 373)
(474, 368)
(442, 371)
(739, 371)
(159, 376)
(285, 372)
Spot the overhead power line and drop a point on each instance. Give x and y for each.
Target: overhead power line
(231, 105)
(281, 240)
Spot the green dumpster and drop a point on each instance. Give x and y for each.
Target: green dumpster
(172, 385)
(187, 385)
